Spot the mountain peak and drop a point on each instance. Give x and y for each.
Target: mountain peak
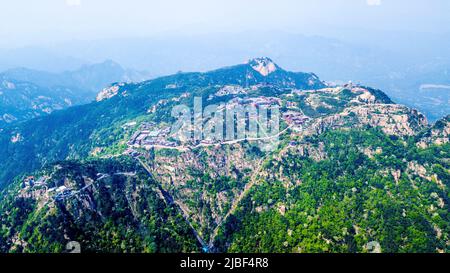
(107, 64)
(264, 65)
(110, 62)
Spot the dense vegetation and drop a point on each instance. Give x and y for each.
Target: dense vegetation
(343, 203)
(118, 214)
(360, 174)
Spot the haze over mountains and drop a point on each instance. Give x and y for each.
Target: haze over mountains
(256, 126)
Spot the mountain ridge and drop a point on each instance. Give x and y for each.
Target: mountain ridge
(343, 150)
(134, 99)
(27, 93)
(348, 147)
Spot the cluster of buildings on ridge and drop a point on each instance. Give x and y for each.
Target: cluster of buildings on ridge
(57, 193)
(150, 135)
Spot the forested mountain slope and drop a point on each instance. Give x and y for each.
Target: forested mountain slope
(352, 172)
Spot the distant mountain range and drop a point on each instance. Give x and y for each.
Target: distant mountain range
(425, 88)
(353, 171)
(27, 93)
(398, 63)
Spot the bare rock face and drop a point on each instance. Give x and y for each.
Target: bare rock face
(108, 93)
(204, 183)
(357, 107)
(439, 134)
(264, 66)
(8, 85)
(391, 118)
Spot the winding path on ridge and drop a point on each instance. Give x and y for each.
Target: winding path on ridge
(230, 142)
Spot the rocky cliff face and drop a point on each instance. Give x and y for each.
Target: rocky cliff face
(392, 119)
(204, 182)
(108, 92)
(438, 134)
(264, 66)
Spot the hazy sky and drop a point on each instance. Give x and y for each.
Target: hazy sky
(25, 22)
